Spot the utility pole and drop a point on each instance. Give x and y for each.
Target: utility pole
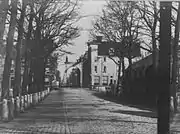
(66, 62)
(164, 68)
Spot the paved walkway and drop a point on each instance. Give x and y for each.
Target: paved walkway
(78, 111)
(175, 125)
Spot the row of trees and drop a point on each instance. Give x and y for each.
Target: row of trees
(35, 33)
(140, 22)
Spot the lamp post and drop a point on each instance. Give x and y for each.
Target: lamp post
(164, 71)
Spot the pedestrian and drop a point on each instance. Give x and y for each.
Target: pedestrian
(114, 88)
(171, 106)
(111, 86)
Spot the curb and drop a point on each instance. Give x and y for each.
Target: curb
(12, 107)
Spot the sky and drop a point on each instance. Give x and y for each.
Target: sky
(89, 7)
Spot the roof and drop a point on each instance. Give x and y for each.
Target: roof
(147, 61)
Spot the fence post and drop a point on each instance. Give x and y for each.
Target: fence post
(22, 104)
(11, 104)
(28, 100)
(25, 101)
(11, 108)
(5, 110)
(31, 99)
(17, 105)
(43, 95)
(36, 94)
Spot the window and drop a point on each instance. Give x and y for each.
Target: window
(104, 69)
(95, 59)
(95, 69)
(105, 80)
(104, 59)
(96, 80)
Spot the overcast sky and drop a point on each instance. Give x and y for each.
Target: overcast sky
(89, 7)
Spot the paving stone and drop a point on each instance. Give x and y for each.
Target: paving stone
(77, 111)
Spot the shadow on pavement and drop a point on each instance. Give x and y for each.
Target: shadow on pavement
(137, 113)
(133, 102)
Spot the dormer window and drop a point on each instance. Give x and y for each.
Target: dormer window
(104, 69)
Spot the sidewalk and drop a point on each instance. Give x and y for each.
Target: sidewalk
(78, 111)
(37, 120)
(175, 125)
(137, 100)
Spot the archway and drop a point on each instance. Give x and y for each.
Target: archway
(78, 77)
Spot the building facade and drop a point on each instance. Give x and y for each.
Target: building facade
(93, 70)
(103, 69)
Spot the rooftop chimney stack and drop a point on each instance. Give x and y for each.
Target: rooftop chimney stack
(99, 38)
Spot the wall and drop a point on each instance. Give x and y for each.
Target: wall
(100, 62)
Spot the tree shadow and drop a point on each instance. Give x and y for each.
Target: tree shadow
(137, 113)
(131, 102)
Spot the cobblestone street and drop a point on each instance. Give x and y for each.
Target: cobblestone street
(71, 111)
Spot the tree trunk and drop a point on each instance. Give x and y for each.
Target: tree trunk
(119, 75)
(3, 14)
(29, 78)
(27, 53)
(129, 73)
(44, 75)
(10, 41)
(4, 7)
(154, 46)
(123, 67)
(154, 53)
(41, 73)
(38, 73)
(175, 58)
(18, 49)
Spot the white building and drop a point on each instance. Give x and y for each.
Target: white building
(103, 69)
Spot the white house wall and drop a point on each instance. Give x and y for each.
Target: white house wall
(111, 70)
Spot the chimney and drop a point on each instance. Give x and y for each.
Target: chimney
(99, 38)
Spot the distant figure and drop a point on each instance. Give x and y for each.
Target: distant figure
(111, 82)
(111, 86)
(114, 88)
(171, 104)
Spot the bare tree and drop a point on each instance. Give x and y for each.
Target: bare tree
(18, 50)
(9, 46)
(4, 7)
(52, 27)
(28, 41)
(149, 14)
(174, 69)
(119, 23)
